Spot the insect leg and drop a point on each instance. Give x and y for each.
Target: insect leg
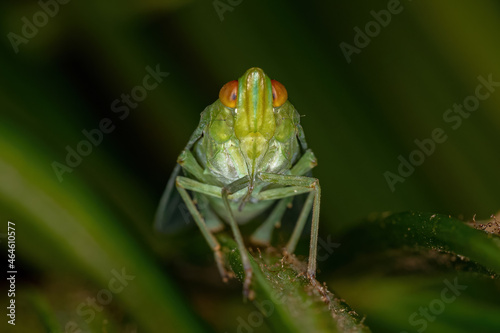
(297, 185)
(209, 237)
(165, 219)
(226, 191)
(304, 164)
(263, 233)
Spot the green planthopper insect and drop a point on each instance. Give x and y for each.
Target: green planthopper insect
(248, 151)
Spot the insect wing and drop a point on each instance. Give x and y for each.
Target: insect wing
(172, 213)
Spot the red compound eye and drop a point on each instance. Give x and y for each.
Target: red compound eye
(228, 94)
(280, 94)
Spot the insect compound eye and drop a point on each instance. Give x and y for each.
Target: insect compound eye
(228, 94)
(280, 94)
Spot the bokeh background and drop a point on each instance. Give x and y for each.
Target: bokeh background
(77, 232)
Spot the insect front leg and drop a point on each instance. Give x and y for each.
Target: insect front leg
(263, 233)
(165, 218)
(297, 185)
(209, 237)
(226, 191)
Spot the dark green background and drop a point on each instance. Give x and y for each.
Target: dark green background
(358, 118)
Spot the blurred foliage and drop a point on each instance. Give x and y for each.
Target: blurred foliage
(359, 117)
